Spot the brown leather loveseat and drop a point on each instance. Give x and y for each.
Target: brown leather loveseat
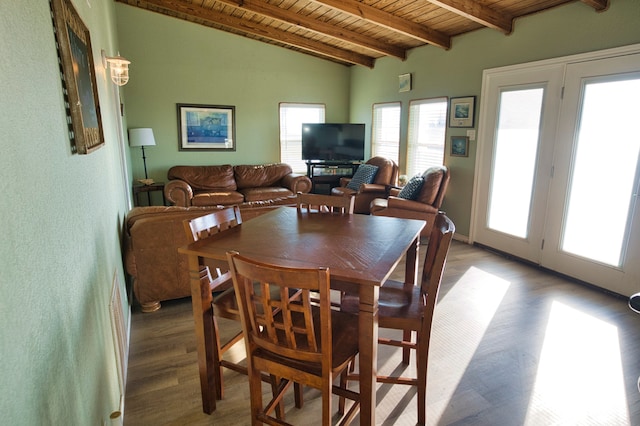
(151, 240)
(227, 185)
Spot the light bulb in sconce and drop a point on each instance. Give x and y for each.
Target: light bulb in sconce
(119, 69)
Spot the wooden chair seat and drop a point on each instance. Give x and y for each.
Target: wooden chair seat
(397, 307)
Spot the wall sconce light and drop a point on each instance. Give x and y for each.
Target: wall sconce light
(119, 68)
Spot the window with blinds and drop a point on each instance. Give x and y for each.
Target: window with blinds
(291, 118)
(385, 132)
(426, 137)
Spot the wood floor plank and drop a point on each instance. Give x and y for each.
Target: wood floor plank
(511, 345)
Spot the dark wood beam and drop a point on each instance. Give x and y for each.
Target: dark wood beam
(476, 12)
(392, 22)
(202, 14)
(265, 9)
(598, 5)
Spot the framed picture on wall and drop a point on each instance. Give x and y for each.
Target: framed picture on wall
(78, 78)
(459, 146)
(206, 127)
(462, 111)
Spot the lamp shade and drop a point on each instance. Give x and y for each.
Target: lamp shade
(141, 137)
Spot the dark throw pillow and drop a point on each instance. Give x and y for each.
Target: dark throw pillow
(366, 173)
(412, 189)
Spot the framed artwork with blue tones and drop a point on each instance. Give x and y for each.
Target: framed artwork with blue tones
(206, 127)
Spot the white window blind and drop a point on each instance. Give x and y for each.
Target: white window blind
(385, 134)
(426, 138)
(291, 118)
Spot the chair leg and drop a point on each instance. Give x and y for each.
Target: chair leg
(406, 351)
(422, 359)
(299, 400)
(217, 357)
(344, 383)
(255, 393)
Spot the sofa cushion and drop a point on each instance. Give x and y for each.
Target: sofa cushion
(215, 178)
(432, 180)
(412, 188)
(265, 193)
(214, 198)
(249, 176)
(366, 173)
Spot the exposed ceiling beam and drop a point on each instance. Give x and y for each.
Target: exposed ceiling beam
(476, 12)
(392, 22)
(200, 13)
(304, 22)
(599, 5)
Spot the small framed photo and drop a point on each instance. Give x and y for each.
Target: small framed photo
(459, 146)
(404, 82)
(206, 127)
(462, 111)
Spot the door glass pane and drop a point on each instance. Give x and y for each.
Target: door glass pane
(604, 171)
(514, 162)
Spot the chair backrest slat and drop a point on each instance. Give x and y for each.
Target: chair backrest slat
(212, 223)
(435, 259)
(325, 203)
(279, 314)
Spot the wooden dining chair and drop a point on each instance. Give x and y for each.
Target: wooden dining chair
(217, 300)
(321, 203)
(291, 338)
(410, 308)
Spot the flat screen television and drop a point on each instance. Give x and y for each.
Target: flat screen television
(332, 142)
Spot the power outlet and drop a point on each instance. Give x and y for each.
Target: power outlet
(471, 134)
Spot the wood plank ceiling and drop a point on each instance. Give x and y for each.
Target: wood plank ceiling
(352, 32)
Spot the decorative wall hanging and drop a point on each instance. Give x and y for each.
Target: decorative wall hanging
(461, 111)
(206, 127)
(459, 146)
(78, 78)
(404, 82)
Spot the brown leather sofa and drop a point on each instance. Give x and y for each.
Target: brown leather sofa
(386, 176)
(227, 185)
(151, 240)
(426, 204)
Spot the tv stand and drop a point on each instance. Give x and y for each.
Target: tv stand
(325, 175)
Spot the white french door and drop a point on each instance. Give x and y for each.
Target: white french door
(558, 168)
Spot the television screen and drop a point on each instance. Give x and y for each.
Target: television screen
(332, 142)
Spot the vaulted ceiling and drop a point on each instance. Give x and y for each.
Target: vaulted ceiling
(352, 32)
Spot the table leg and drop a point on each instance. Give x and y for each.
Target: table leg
(368, 361)
(201, 302)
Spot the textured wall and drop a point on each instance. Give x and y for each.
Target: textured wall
(566, 30)
(175, 62)
(61, 215)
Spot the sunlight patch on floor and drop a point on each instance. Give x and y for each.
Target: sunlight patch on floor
(461, 319)
(579, 378)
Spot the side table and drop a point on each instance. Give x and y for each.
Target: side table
(156, 186)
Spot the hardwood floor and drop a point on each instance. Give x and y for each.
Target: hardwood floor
(511, 345)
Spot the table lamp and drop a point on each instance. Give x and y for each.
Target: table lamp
(142, 137)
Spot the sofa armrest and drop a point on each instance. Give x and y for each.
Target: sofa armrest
(344, 181)
(373, 187)
(178, 193)
(401, 203)
(394, 191)
(297, 183)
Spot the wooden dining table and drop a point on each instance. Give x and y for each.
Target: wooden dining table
(361, 252)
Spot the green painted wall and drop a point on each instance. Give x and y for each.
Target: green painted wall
(61, 216)
(175, 62)
(570, 29)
